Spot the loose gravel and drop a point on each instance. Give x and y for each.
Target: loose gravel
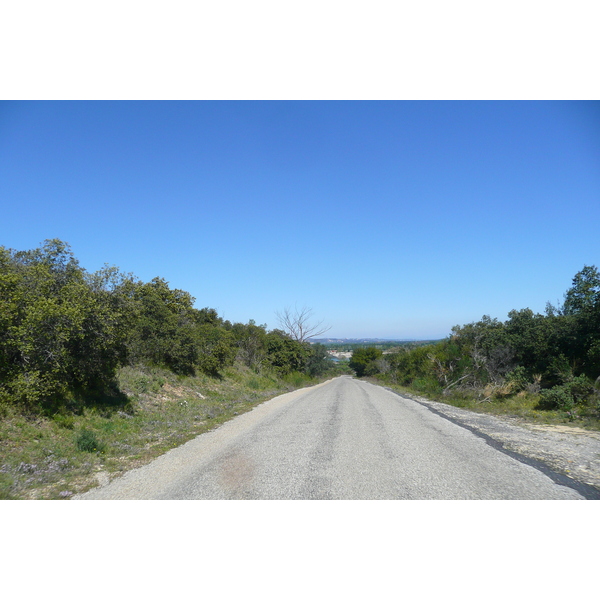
(569, 451)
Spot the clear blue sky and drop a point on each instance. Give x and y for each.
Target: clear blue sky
(393, 219)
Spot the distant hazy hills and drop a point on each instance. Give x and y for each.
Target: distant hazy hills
(357, 340)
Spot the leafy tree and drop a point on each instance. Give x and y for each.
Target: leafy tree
(410, 364)
(319, 361)
(582, 303)
(584, 292)
(215, 349)
(284, 353)
(251, 342)
(164, 326)
(168, 330)
(60, 337)
(362, 360)
(207, 316)
(10, 309)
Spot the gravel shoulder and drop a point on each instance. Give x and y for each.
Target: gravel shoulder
(570, 451)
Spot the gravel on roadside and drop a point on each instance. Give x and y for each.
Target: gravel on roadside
(570, 451)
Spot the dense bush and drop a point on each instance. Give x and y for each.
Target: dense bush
(363, 361)
(556, 398)
(59, 336)
(88, 442)
(557, 354)
(319, 361)
(64, 333)
(285, 354)
(568, 395)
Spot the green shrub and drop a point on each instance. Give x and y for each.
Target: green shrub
(88, 442)
(363, 359)
(557, 398)
(568, 395)
(580, 388)
(518, 378)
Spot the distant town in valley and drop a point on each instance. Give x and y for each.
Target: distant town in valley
(342, 348)
(327, 341)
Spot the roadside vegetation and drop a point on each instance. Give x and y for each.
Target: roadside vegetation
(545, 368)
(101, 372)
(59, 455)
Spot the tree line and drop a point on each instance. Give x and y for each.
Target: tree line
(64, 332)
(555, 355)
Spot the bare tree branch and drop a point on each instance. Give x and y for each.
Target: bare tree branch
(297, 324)
(454, 383)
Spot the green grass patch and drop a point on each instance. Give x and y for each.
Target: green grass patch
(88, 442)
(57, 456)
(296, 379)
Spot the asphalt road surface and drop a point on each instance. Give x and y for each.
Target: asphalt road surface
(344, 439)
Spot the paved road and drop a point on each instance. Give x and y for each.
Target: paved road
(343, 439)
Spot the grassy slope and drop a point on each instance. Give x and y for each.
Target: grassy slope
(40, 457)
